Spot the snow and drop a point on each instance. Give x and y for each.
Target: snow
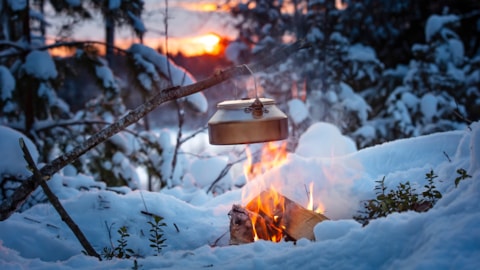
(428, 106)
(105, 74)
(40, 65)
(7, 83)
(138, 24)
(234, 51)
(333, 143)
(436, 23)
(9, 143)
(149, 58)
(74, 3)
(297, 110)
(17, 5)
(445, 237)
(114, 4)
(361, 53)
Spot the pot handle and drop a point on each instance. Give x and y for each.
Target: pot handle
(256, 108)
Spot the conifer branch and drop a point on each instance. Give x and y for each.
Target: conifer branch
(11, 204)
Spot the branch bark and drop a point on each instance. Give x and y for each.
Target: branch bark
(37, 176)
(11, 204)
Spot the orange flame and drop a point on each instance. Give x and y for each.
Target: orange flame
(320, 207)
(271, 156)
(268, 208)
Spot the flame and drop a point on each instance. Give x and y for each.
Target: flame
(320, 207)
(310, 197)
(271, 156)
(268, 208)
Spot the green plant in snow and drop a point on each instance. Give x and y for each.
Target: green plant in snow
(462, 176)
(431, 194)
(404, 198)
(156, 234)
(121, 250)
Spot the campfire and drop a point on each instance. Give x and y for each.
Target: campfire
(270, 215)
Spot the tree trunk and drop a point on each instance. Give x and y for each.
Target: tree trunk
(109, 37)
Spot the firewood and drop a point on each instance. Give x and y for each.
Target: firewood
(241, 229)
(299, 222)
(285, 219)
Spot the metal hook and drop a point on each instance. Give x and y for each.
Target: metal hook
(256, 108)
(254, 81)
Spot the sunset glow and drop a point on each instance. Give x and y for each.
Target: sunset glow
(209, 42)
(205, 7)
(191, 46)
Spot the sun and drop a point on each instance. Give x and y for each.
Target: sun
(209, 42)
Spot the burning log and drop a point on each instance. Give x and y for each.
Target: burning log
(241, 229)
(272, 216)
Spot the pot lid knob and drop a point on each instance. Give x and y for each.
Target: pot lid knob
(256, 108)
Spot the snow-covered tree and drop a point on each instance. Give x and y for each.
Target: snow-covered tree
(322, 77)
(433, 95)
(29, 101)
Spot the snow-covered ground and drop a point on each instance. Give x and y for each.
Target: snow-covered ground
(445, 237)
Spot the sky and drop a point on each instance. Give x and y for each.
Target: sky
(188, 20)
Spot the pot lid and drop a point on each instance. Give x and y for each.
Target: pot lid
(243, 103)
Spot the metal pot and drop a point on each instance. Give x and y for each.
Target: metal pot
(247, 121)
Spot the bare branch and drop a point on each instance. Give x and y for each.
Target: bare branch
(39, 178)
(10, 204)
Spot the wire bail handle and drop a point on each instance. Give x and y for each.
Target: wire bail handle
(256, 108)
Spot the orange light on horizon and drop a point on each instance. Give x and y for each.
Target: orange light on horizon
(209, 42)
(206, 7)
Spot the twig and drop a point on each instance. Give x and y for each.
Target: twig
(109, 231)
(224, 172)
(215, 243)
(220, 176)
(446, 155)
(463, 118)
(200, 130)
(176, 227)
(56, 45)
(181, 118)
(56, 202)
(10, 204)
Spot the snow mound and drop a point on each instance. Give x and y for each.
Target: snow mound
(327, 141)
(15, 164)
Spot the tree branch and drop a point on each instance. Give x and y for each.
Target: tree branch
(10, 204)
(39, 178)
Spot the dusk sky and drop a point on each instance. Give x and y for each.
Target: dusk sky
(188, 19)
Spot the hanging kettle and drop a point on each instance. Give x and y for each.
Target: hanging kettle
(247, 121)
